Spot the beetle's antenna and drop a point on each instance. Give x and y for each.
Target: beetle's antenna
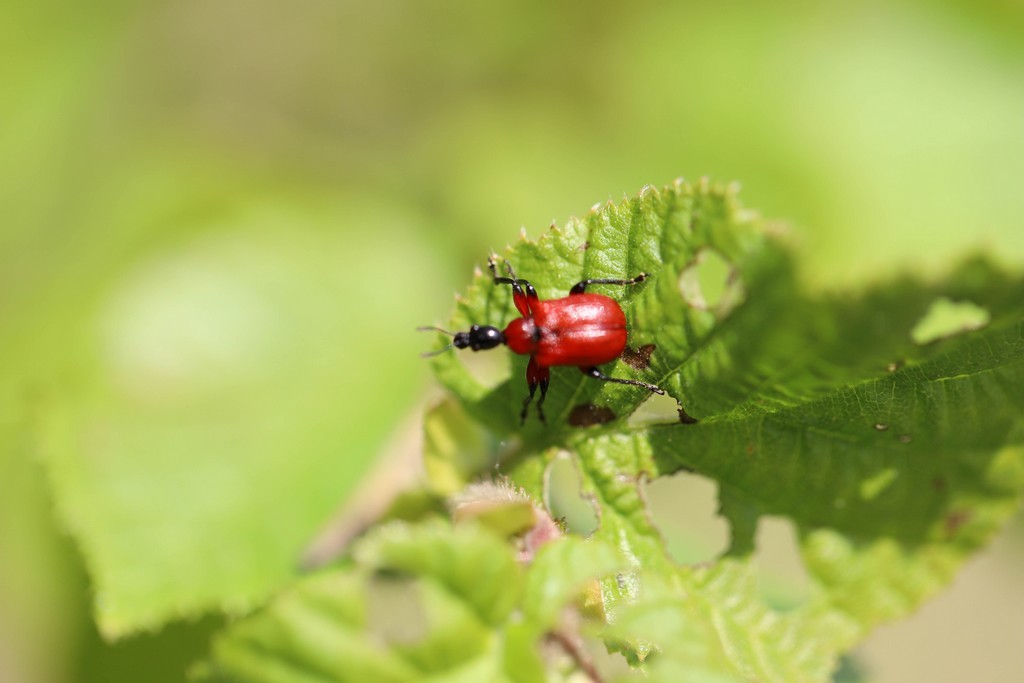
(431, 328)
(429, 354)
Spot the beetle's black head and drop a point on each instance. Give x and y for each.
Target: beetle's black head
(479, 338)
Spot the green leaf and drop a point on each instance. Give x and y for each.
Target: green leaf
(663, 614)
(315, 632)
(562, 571)
(476, 566)
(896, 454)
(419, 603)
(201, 407)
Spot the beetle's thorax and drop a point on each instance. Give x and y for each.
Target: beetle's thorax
(522, 335)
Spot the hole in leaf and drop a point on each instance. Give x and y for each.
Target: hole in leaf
(684, 508)
(656, 409)
(784, 581)
(947, 318)
(563, 496)
(711, 283)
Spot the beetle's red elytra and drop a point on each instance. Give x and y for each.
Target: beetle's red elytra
(581, 330)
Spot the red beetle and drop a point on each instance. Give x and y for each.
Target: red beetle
(581, 330)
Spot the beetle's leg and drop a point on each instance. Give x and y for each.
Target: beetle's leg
(543, 395)
(581, 287)
(596, 373)
(536, 376)
(523, 293)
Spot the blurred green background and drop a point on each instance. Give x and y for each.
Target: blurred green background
(220, 221)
